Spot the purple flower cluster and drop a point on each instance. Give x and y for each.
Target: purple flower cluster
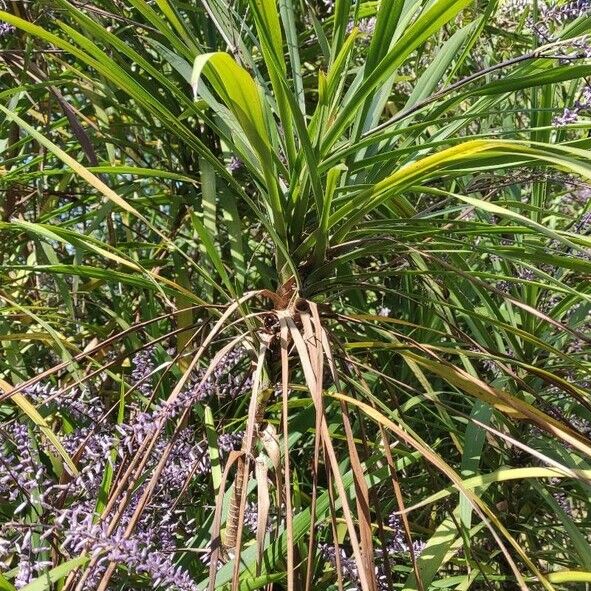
(571, 114)
(503, 285)
(96, 444)
(30, 562)
(397, 543)
(554, 12)
(366, 26)
(138, 552)
(19, 476)
(226, 381)
(6, 29)
(568, 11)
(77, 404)
(349, 570)
(234, 165)
(230, 442)
(66, 508)
(526, 274)
(550, 15)
(149, 552)
(143, 368)
(395, 547)
(251, 517)
(189, 456)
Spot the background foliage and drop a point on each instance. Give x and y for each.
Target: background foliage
(295, 294)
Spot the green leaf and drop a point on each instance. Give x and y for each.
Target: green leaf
(240, 94)
(45, 582)
(5, 585)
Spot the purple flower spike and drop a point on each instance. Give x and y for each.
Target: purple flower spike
(143, 366)
(571, 115)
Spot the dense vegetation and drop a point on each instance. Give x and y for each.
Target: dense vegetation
(295, 295)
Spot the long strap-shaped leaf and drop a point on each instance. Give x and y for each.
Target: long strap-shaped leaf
(480, 389)
(485, 513)
(466, 154)
(235, 523)
(284, 336)
(241, 95)
(430, 21)
(312, 384)
(320, 339)
(501, 475)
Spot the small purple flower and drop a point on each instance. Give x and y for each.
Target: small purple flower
(25, 571)
(6, 29)
(348, 565)
(251, 517)
(490, 365)
(365, 26)
(526, 274)
(230, 442)
(503, 286)
(570, 115)
(235, 164)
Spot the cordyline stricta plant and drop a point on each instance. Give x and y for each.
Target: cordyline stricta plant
(295, 295)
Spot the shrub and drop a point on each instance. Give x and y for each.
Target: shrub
(295, 295)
